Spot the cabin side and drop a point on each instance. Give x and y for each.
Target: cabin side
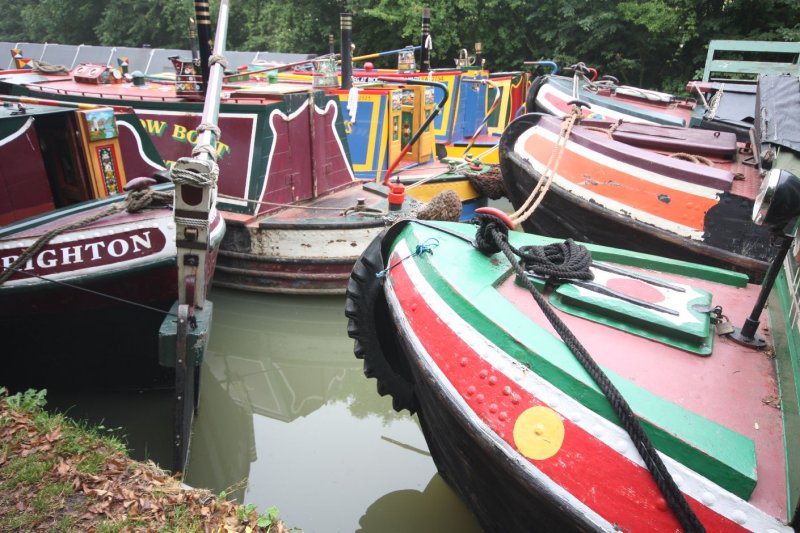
(59, 156)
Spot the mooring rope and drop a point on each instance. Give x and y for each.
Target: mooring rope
(135, 201)
(609, 131)
(90, 291)
(692, 158)
(47, 68)
(492, 237)
(543, 184)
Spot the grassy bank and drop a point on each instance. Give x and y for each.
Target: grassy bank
(56, 475)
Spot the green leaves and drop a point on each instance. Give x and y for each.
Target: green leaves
(28, 400)
(652, 43)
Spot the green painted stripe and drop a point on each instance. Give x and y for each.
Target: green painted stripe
(463, 277)
(786, 343)
(782, 309)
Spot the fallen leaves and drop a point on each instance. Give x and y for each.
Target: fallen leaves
(121, 490)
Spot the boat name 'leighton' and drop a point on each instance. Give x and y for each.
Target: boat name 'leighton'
(75, 255)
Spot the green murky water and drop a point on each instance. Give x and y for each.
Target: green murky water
(287, 418)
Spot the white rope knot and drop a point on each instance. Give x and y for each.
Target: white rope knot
(189, 171)
(213, 59)
(207, 126)
(204, 149)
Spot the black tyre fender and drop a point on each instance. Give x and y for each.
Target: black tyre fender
(370, 325)
(533, 91)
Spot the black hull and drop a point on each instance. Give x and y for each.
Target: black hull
(90, 350)
(731, 240)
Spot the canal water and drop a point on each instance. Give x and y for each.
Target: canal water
(287, 419)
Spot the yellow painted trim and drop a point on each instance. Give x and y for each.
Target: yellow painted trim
(457, 152)
(379, 140)
(447, 121)
(505, 102)
(95, 168)
(426, 191)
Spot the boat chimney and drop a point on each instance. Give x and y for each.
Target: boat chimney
(346, 22)
(425, 49)
(331, 44)
(203, 16)
(478, 55)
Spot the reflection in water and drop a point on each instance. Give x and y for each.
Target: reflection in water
(285, 405)
(141, 419)
(436, 508)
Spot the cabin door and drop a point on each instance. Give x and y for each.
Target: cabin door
(69, 177)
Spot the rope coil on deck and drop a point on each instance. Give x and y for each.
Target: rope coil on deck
(48, 68)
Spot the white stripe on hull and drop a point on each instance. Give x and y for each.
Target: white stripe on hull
(691, 483)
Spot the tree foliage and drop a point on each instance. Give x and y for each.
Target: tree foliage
(651, 43)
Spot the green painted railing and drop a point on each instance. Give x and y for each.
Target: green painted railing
(743, 69)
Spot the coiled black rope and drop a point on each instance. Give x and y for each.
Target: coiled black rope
(492, 237)
(566, 260)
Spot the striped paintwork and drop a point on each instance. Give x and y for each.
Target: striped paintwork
(596, 471)
(651, 197)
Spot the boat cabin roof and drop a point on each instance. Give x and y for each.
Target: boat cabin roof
(15, 110)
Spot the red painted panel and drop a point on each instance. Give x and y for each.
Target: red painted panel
(130, 154)
(330, 166)
(24, 189)
(288, 177)
(174, 135)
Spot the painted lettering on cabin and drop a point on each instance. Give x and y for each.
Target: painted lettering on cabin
(180, 133)
(153, 127)
(183, 134)
(87, 253)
